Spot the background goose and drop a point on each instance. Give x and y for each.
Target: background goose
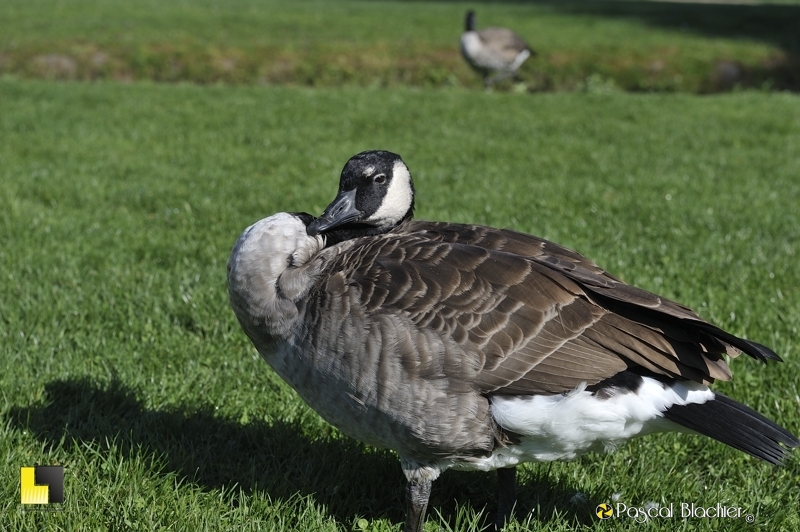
(468, 347)
(497, 51)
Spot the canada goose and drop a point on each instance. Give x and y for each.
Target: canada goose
(474, 348)
(497, 51)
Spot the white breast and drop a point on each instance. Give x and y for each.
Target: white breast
(470, 44)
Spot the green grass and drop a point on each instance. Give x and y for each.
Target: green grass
(631, 45)
(121, 360)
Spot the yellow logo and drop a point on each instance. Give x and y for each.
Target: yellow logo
(604, 511)
(41, 485)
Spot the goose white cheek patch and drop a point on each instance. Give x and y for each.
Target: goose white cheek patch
(398, 198)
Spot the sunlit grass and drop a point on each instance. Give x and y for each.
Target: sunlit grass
(122, 361)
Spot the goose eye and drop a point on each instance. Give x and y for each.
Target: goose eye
(379, 179)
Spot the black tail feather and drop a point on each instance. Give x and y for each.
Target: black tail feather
(765, 352)
(737, 425)
(754, 349)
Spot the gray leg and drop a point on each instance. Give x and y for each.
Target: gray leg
(506, 495)
(500, 76)
(417, 494)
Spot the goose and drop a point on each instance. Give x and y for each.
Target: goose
(472, 348)
(497, 51)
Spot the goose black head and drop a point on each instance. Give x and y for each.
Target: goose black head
(375, 195)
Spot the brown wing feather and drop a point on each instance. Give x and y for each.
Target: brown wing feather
(529, 316)
(609, 291)
(502, 41)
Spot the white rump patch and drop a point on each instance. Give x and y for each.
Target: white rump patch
(397, 200)
(562, 427)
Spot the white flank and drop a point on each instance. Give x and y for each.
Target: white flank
(397, 200)
(521, 57)
(562, 427)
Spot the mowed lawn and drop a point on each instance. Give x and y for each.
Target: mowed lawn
(120, 359)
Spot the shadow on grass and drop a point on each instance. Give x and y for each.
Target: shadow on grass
(778, 24)
(350, 479)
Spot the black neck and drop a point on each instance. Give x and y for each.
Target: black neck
(469, 22)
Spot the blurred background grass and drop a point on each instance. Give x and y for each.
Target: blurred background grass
(582, 45)
(119, 203)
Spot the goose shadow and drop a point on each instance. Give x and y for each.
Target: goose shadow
(350, 479)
